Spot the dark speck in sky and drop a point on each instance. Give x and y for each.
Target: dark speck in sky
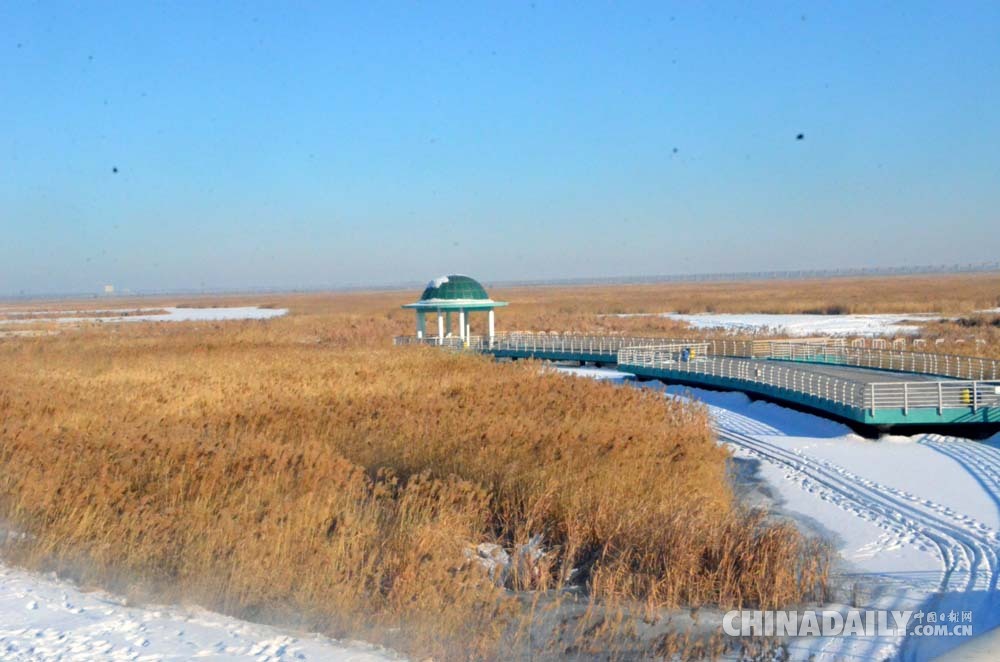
(800, 136)
(115, 170)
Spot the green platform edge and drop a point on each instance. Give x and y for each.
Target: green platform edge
(922, 416)
(881, 417)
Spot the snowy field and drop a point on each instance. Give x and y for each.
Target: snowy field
(915, 519)
(805, 325)
(144, 315)
(43, 618)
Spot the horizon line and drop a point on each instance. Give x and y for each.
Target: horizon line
(734, 276)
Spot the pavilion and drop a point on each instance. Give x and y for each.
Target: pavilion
(448, 294)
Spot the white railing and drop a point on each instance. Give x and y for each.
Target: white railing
(611, 345)
(738, 360)
(834, 351)
(824, 387)
(904, 395)
(593, 344)
(926, 363)
(940, 395)
(475, 343)
(568, 343)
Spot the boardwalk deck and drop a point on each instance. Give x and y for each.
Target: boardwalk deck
(880, 388)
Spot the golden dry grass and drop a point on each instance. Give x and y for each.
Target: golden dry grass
(581, 308)
(301, 471)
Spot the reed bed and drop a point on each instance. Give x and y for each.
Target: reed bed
(592, 309)
(299, 471)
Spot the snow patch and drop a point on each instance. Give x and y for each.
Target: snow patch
(609, 374)
(493, 558)
(804, 324)
(499, 563)
(44, 618)
(171, 315)
(896, 439)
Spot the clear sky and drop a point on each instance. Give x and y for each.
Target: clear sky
(311, 144)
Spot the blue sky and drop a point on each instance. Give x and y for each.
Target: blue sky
(312, 144)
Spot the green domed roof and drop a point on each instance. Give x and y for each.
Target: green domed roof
(452, 287)
(455, 292)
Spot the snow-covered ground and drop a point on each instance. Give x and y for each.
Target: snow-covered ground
(916, 520)
(43, 618)
(149, 315)
(805, 325)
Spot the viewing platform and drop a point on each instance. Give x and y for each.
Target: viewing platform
(870, 387)
(881, 388)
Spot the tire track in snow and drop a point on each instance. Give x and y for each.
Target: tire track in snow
(965, 545)
(967, 548)
(962, 551)
(982, 462)
(866, 504)
(979, 457)
(836, 492)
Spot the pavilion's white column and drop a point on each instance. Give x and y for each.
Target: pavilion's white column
(447, 322)
(491, 325)
(461, 324)
(421, 323)
(440, 328)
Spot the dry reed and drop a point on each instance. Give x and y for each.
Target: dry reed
(299, 471)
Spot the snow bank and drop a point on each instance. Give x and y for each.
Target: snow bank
(598, 373)
(806, 325)
(43, 618)
(171, 315)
